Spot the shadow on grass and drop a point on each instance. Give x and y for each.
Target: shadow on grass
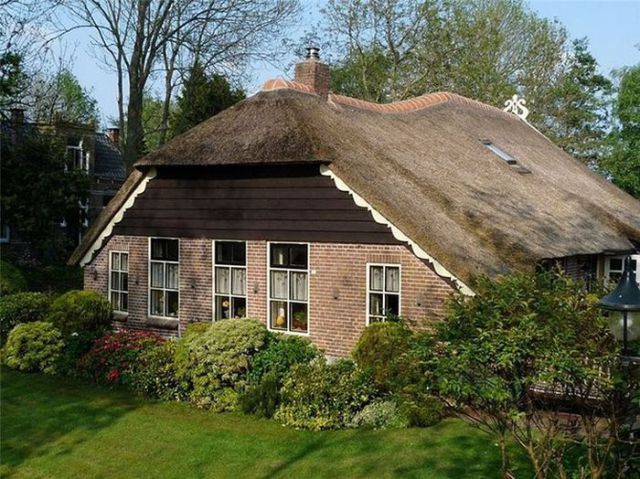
(49, 416)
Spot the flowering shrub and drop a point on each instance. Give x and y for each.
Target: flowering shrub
(112, 357)
(154, 373)
(322, 396)
(380, 415)
(33, 347)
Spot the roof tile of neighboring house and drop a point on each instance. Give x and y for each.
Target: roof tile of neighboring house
(109, 162)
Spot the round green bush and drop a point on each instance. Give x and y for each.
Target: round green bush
(420, 408)
(154, 373)
(280, 355)
(213, 365)
(34, 347)
(324, 396)
(21, 308)
(11, 279)
(385, 349)
(380, 415)
(81, 312)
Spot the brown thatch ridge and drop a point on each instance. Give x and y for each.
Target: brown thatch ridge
(426, 170)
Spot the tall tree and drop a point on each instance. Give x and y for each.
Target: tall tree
(133, 35)
(623, 163)
(202, 97)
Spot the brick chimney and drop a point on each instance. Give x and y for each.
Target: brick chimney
(114, 136)
(312, 72)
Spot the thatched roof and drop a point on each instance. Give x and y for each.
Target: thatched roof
(423, 166)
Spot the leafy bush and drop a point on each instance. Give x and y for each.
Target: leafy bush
(196, 328)
(112, 356)
(76, 346)
(268, 369)
(21, 308)
(379, 415)
(81, 311)
(322, 396)
(34, 347)
(11, 279)
(420, 409)
(154, 373)
(213, 365)
(393, 354)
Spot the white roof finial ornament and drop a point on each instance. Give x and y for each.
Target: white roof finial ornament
(516, 105)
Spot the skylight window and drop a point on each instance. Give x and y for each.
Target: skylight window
(506, 157)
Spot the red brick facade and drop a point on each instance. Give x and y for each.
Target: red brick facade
(337, 286)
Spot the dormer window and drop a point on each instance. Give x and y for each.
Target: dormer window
(79, 157)
(506, 157)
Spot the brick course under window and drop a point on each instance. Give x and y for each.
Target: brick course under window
(337, 287)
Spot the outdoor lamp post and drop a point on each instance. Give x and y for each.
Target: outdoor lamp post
(624, 304)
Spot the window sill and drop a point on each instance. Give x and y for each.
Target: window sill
(120, 316)
(163, 323)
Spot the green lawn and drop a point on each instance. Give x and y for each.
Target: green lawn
(59, 428)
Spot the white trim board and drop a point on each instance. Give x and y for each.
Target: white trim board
(107, 230)
(397, 233)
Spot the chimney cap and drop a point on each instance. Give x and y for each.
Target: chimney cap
(313, 53)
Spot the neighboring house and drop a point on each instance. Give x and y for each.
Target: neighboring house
(319, 214)
(96, 153)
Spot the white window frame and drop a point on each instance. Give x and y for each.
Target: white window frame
(268, 295)
(165, 262)
(119, 291)
(84, 156)
(384, 291)
(607, 266)
(229, 267)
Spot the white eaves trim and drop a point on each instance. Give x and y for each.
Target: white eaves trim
(399, 235)
(106, 231)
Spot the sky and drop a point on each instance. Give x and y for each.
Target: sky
(612, 27)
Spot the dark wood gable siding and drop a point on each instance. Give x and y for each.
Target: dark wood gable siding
(293, 203)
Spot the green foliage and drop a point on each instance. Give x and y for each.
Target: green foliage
(321, 396)
(112, 356)
(623, 164)
(202, 97)
(154, 374)
(419, 408)
(380, 415)
(11, 279)
(386, 350)
(53, 278)
(11, 77)
(21, 308)
(34, 347)
(263, 398)
(214, 363)
(81, 312)
(39, 160)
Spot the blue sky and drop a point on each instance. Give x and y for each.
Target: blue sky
(612, 27)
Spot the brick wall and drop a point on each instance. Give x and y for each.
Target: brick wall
(337, 286)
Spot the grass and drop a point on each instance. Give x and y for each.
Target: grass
(60, 428)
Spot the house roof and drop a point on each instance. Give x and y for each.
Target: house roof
(109, 162)
(422, 165)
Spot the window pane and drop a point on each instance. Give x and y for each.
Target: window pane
(124, 262)
(115, 301)
(172, 303)
(239, 255)
(224, 252)
(157, 302)
(238, 281)
(171, 279)
(124, 302)
(279, 255)
(239, 307)
(298, 317)
(298, 286)
(376, 319)
(222, 307)
(375, 304)
(222, 280)
(115, 261)
(115, 281)
(375, 278)
(278, 315)
(124, 281)
(157, 275)
(279, 284)
(164, 249)
(298, 255)
(615, 264)
(393, 279)
(393, 304)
